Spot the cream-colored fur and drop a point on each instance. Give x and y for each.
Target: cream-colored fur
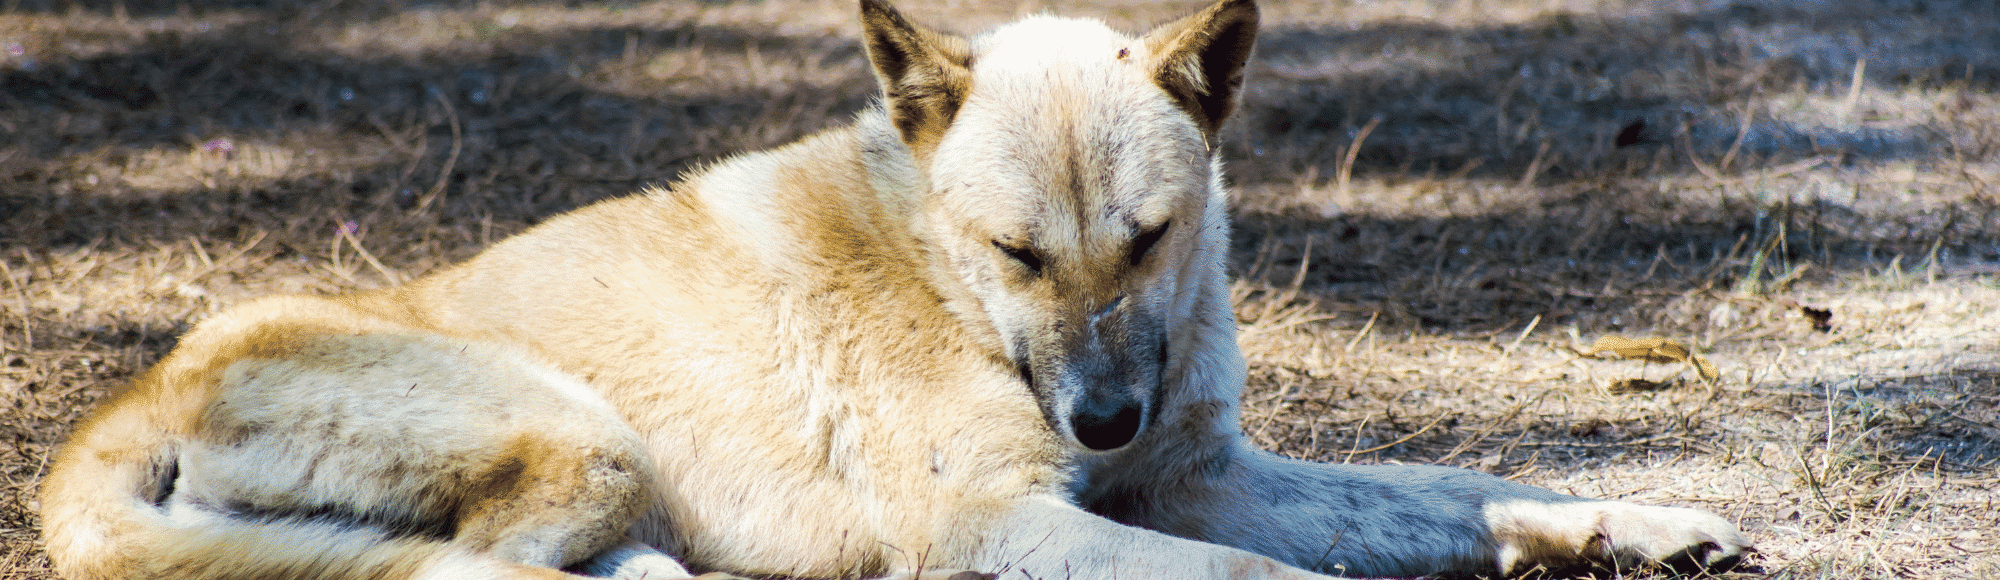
(984, 327)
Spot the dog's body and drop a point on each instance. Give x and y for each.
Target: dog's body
(985, 327)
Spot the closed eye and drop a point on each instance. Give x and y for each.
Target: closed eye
(1143, 244)
(1026, 257)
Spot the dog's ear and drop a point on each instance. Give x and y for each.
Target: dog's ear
(1199, 59)
(925, 75)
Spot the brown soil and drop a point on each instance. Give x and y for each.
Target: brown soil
(1439, 202)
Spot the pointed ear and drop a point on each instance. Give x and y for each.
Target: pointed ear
(925, 75)
(1199, 60)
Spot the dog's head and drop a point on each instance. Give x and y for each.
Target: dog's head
(1072, 190)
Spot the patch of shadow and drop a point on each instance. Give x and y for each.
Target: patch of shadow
(1952, 417)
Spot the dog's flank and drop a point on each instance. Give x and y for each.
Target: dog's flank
(986, 326)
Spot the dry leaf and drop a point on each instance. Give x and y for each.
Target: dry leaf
(1623, 386)
(1656, 349)
(1822, 318)
(1595, 427)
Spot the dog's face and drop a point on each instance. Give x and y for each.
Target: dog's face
(1073, 215)
(1070, 175)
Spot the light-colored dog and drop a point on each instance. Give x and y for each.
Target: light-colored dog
(985, 327)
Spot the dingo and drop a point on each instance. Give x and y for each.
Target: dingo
(984, 327)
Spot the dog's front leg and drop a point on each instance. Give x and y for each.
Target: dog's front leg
(1046, 537)
(1395, 520)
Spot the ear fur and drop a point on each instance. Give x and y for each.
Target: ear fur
(1199, 59)
(925, 75)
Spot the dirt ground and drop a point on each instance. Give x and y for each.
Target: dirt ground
(1439, 203)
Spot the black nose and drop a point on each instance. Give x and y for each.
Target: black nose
(1106, 427)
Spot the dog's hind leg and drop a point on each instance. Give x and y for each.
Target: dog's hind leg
(421, 437)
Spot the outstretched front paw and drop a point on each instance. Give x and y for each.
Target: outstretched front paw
(1568, 535)
(1681, 538)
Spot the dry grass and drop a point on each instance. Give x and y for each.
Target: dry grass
(1438, 199)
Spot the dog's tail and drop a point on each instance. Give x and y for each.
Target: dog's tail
(105, 515)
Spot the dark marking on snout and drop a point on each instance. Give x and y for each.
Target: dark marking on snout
(1043, 400)
(166, 473)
